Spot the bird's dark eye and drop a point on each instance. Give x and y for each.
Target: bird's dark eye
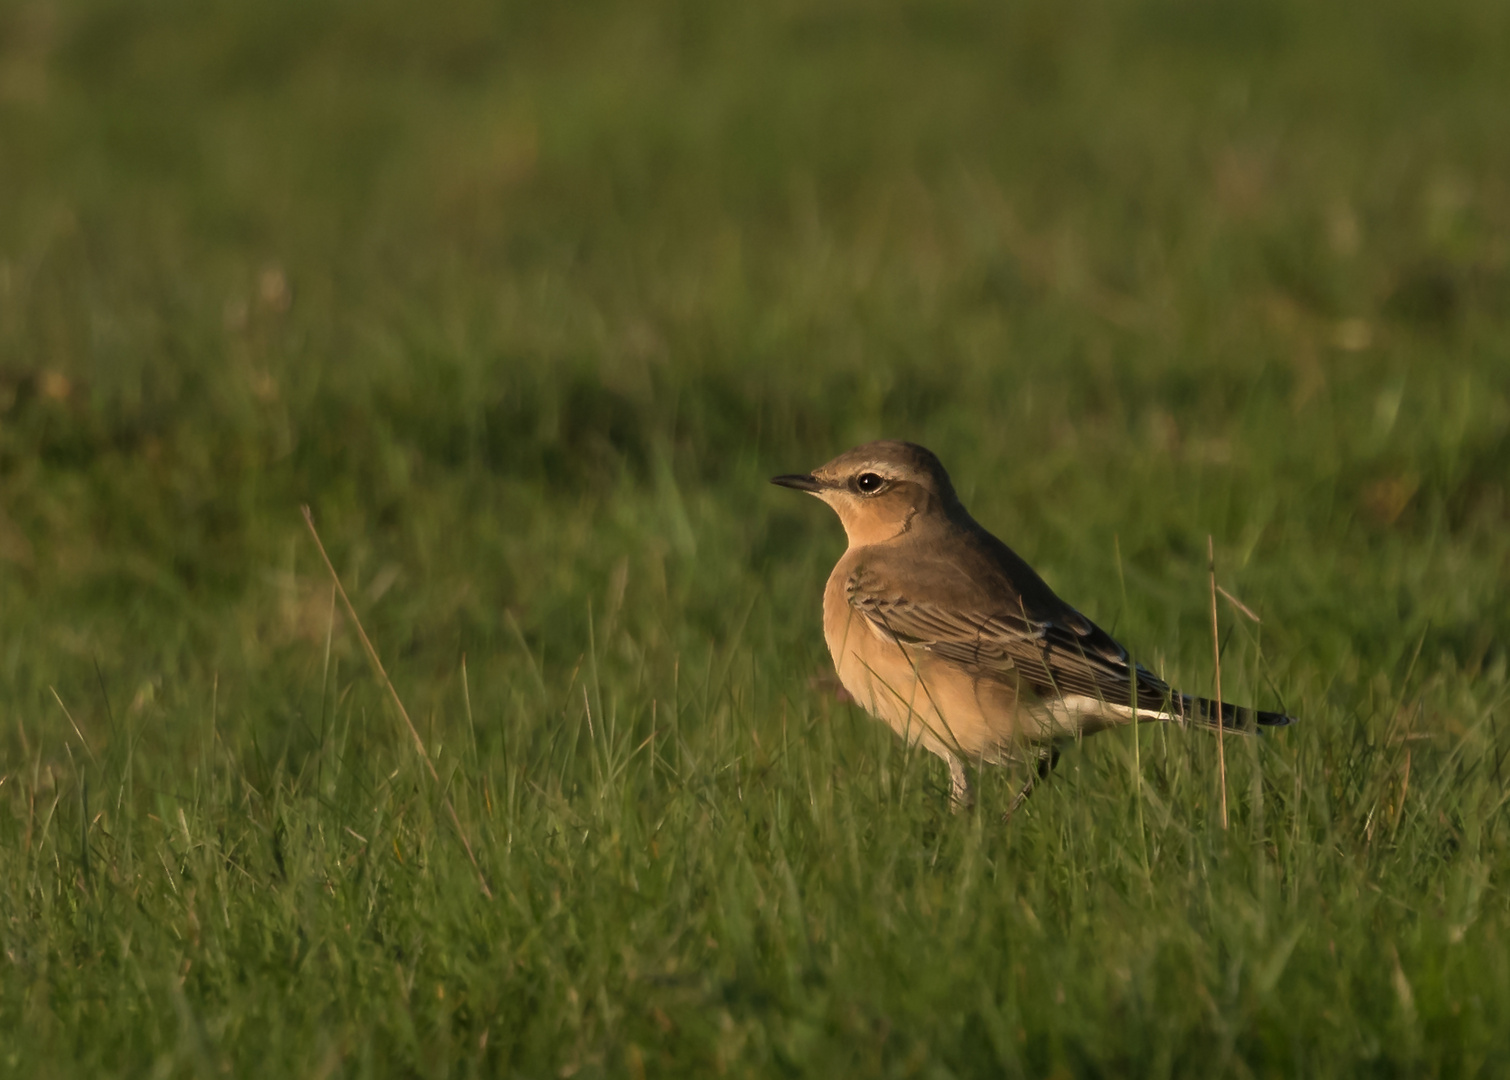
(868, 483)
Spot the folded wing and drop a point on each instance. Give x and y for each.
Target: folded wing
(1059, 654)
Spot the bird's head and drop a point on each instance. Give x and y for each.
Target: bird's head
(880, 490)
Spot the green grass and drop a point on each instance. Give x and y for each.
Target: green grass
(526, 304)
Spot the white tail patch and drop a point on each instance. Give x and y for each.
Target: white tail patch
(1078, 714)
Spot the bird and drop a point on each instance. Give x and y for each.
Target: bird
(942, 631)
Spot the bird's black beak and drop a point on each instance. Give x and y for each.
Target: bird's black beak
(800, 481)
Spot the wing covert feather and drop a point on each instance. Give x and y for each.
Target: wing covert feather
(1058, 653)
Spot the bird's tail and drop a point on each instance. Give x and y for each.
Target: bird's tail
(1226, 716)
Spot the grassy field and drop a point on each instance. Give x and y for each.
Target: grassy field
(526, 302)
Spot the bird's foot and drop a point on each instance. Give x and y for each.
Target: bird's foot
(1018, 799)
(1045, 766)
(961, 794)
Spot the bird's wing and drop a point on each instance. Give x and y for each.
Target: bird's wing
(1059, 653)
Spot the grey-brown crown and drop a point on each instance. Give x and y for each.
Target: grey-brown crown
(891, 460)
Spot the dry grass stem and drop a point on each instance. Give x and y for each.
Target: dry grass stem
(1216, 651)
(1235, 602)
(377, 664)
(75, 724)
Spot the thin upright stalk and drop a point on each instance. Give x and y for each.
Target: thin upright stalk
(1216, 650)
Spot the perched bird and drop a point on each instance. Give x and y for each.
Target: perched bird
(942, 631)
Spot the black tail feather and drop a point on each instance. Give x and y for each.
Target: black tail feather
(1231, 717)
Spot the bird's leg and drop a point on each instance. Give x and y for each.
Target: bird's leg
(1045, 766)
(961, 795)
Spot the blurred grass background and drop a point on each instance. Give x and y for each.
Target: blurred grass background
(526, 302)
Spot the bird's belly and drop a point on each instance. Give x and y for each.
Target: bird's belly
(922, 698)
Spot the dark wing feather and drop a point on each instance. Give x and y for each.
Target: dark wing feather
(1057, 655)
